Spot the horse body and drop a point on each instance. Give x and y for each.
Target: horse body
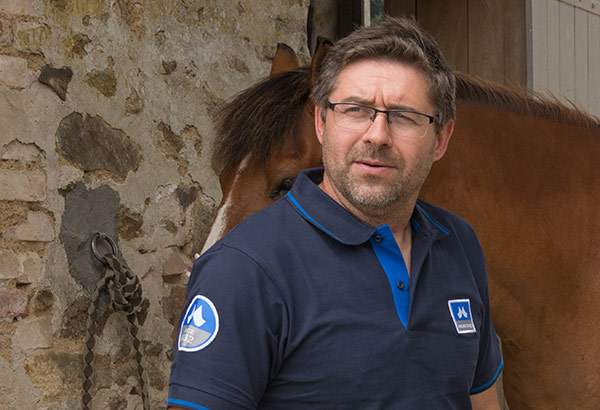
(529, 187)
(523, 173)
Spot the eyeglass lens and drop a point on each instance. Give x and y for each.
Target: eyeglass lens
(356, 117)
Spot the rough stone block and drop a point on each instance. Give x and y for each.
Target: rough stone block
(55, 374)
(38, 228)
(87, 212)
(174, 263)
(33, 334)
(9, 264)
(92, 143)
(31, 268)
(13, 303)
(29, 186)
(57, 78)
(21, 7)
(68, 175)
(6, 36)
(16, 150)
(30, 36)
(14, 72)
(173, 304)
(42, 300)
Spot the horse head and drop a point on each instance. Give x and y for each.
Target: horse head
(265, 137)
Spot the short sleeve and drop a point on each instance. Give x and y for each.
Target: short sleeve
(230, 294)
(490, 363)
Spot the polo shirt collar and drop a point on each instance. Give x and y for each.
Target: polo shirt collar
(330, 217)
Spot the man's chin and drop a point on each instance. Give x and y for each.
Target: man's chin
(372, 197)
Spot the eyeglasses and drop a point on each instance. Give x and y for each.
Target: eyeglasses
(359, 117)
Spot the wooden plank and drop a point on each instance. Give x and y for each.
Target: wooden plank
(553, 60)
(581, 58)
(539, 45)
(594, 65)
(397, 8)
(515, 43)
(591, 6)
(486, 39)
(566, 15)
(349, 16)
(446, 21)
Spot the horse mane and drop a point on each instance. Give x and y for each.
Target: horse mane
(521, 100)
(260, 119)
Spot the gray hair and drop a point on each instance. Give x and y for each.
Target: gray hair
(394, 39)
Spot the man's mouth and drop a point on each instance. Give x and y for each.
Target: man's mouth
(373, 164)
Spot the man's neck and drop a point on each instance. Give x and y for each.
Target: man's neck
(396, 215)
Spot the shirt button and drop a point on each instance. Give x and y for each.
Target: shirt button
(400, 285)
(378, 238)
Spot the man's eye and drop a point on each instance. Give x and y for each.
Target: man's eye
(355, 110)
(401, 117)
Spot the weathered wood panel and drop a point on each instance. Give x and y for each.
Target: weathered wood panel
(565, 47)
(566, 21)
(447, 21)
(515, 42)
(594, 65)
(490, 39)
(400, 8)
(553, 59)
(486, 39)
(581, 58)
(539, 40)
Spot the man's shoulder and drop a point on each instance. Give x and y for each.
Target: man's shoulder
(445, 217)
(265, 229)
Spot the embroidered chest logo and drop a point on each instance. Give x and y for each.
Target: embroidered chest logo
(460, 310)
(200, 325)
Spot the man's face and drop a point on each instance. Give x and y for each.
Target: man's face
(373, 170)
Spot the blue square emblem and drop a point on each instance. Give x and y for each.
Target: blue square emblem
(460, 311)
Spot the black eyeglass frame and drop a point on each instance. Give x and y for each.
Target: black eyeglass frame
(331, 106)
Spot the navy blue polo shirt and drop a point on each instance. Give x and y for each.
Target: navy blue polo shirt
(304, 306)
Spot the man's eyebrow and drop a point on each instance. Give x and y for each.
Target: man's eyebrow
(370, 102)
(357, 99)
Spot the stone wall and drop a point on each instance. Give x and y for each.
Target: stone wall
(106, 123)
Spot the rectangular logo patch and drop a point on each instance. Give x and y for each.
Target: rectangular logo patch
(460, 310)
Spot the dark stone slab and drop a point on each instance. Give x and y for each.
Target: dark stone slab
(88, 212)
(186, 195)
(93, 144)
(103, 81)
(56, 78)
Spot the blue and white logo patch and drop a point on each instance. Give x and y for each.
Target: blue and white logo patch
(460, 310)
(200, 325)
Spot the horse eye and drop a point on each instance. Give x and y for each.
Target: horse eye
(284, 186)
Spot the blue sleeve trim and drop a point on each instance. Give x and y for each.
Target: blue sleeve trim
(488, 384)
(299, 207)
(186, 403)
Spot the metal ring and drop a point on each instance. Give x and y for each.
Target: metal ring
(100, 235)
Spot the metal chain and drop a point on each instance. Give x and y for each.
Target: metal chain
(125, 293)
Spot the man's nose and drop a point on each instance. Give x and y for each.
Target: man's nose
(378, 132)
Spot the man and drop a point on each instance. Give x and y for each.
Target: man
(350, 292)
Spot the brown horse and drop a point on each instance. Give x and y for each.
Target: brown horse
(520, 168)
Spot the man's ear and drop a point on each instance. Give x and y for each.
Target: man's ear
(442, 140)
(319, 124)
